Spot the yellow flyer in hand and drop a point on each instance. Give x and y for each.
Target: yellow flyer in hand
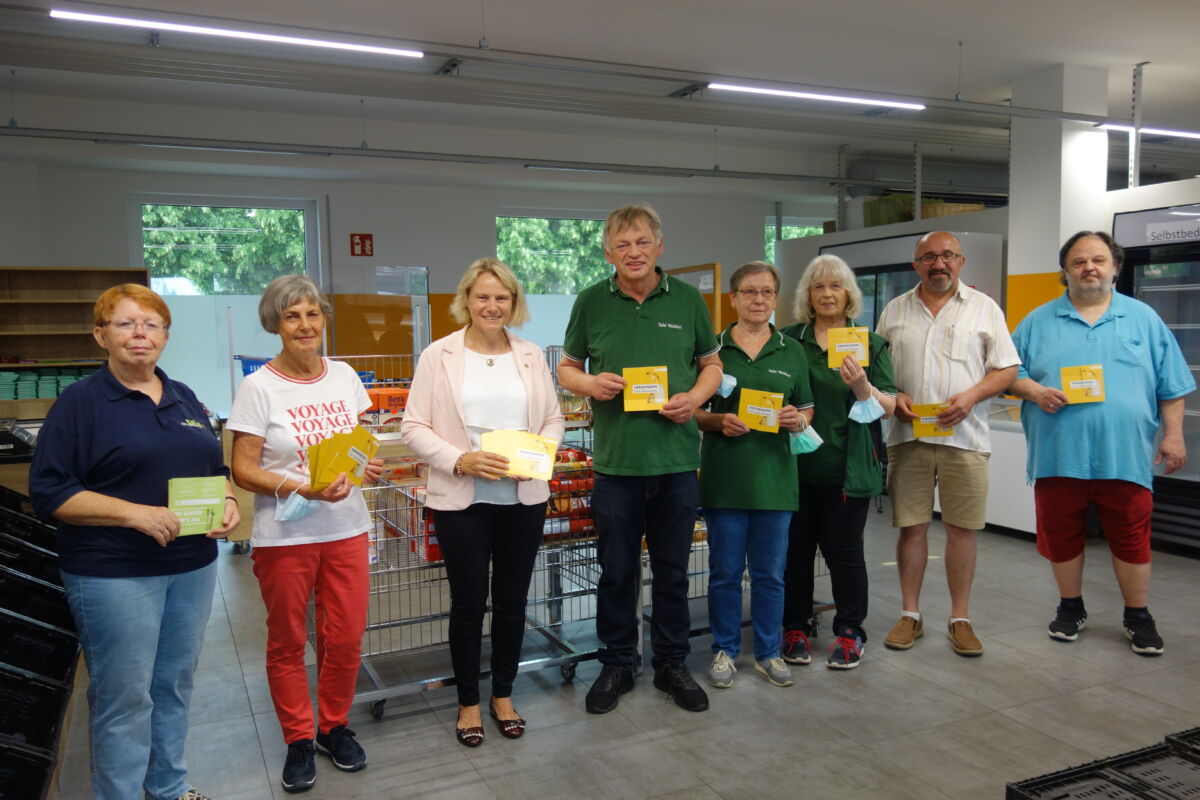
(529, 455)
(848, 342)
(342, 452)
(926, 423)
(645, 388)
(198, 502)
(760, 410)
(1083, 384)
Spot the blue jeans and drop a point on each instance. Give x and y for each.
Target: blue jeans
(141, 639)
(737, 537)
(663, 507)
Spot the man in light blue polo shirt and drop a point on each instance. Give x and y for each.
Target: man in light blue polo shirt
(1100, 376)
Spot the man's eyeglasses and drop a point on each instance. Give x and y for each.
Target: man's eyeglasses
(750, 294)
(929, 259)
(151, 327)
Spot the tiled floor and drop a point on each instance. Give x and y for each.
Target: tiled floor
(918, 724)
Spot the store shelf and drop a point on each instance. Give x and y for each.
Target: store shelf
(77, 362)
(26, 409)
(50, 332)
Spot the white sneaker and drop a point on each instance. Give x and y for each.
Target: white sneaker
(775, 670)
(720, 674)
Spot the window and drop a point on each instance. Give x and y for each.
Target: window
(552, 256)
(220, 250)
(792, 229)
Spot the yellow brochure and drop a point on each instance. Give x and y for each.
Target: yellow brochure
(1084, 384)
(645, 388)
(926, 423)
(343, 452)
(844, 342)
(760, 410)
(529, 455)
(198, 502)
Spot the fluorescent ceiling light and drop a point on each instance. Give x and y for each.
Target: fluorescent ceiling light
(159, 25)
(833, 98)
(1153, 131)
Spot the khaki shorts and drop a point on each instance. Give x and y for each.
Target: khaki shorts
(961, 478)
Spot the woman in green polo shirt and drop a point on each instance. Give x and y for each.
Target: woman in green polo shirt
(748, 475)
(838, 479)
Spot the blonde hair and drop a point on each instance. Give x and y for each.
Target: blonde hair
(827, 266)
(146, 298)
(502, 273)
(627, 216)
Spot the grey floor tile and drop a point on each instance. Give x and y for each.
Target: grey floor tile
(693, 793)
(224, 757)
(975, 757)
(1175, 684)
(219, 693)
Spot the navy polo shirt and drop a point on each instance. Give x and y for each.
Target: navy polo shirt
(103, 437)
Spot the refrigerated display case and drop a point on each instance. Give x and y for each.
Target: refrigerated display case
(1162, 269)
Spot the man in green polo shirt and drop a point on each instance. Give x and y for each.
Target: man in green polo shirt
(645, 460)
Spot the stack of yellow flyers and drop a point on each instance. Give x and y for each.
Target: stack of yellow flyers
(760, 410)
(198, 502)
(926, 423)
(529, 455)
(341, 452)
(1084, 384)
(645, 388)
(844, 342)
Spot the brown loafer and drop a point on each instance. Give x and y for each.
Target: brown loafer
(470, 737)
(963, 639)
(509, 728)
(905, 634)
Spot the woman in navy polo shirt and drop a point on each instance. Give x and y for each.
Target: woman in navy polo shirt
(139, 595)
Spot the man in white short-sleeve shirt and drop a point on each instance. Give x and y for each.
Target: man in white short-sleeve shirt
(951, 349)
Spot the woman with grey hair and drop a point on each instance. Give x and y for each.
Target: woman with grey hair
(837, 479)
(306, 542)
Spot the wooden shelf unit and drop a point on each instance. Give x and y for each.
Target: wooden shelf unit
(47, 318)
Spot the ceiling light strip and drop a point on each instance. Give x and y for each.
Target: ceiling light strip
(830, 98)
(1152, 131)
(230, 33)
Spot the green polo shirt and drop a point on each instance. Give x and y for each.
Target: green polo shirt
(848, 457)
(755, 470)
(611, 331)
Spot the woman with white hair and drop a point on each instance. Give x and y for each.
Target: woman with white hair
(838, 479)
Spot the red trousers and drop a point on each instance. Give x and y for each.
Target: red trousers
(288, 575)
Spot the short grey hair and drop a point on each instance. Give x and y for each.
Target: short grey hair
(752, 268)
(827, 266)
(283, 293)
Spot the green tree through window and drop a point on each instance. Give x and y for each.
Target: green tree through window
(552, 256)
(789, 232)
(220, 250)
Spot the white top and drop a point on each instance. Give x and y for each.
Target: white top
(935, 358)
(494, 399)
(291, 415)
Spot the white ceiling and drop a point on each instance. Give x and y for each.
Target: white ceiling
(642, 52)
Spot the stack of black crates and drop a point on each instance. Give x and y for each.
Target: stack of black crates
(38, 651)
(1166, 771)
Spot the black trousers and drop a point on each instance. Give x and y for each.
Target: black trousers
(834, 522)
(507, 537)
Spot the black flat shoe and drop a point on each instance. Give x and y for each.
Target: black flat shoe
(469, 737)
(509, 728)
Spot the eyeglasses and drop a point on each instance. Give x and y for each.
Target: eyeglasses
(929, 259)
(151, 327)
(750, 294)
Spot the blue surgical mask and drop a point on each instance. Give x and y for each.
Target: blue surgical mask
(292, 508)
(865, 411)
(805, 441)
(728, 383)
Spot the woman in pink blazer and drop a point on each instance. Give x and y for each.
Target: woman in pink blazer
(478, 379)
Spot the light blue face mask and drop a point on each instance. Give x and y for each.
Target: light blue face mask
(865, 411)
(805, 441)
(728, 383)
(292, 507)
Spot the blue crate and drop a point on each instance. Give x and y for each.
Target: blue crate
(251, 365)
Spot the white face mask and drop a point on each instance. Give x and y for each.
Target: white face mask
(805, 442)
(865, 411)
(292, 507)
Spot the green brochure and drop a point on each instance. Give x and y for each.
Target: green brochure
(198, 502)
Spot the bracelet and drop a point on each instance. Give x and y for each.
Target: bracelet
(803, 424)
(458, 470)
(231, 497)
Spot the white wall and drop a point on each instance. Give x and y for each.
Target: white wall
(1160, 195)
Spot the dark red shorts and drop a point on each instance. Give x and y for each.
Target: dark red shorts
(1124, 511)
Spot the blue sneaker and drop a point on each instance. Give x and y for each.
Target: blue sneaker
(796, 647)
(847, 651)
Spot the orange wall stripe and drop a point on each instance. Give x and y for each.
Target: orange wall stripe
(1027, 292)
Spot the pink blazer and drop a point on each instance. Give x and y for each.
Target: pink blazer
(435, 429)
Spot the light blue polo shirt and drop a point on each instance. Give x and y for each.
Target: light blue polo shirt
(1142, 365)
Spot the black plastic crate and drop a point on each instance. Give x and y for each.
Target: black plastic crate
(16, 501)
(1174, 773)
(28, 529)
(1088, 782)
(36, 647)
(24, 772)
(1151, 773)
(31, 709)
(33, 598)
(29, 559)
(1188, 740)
